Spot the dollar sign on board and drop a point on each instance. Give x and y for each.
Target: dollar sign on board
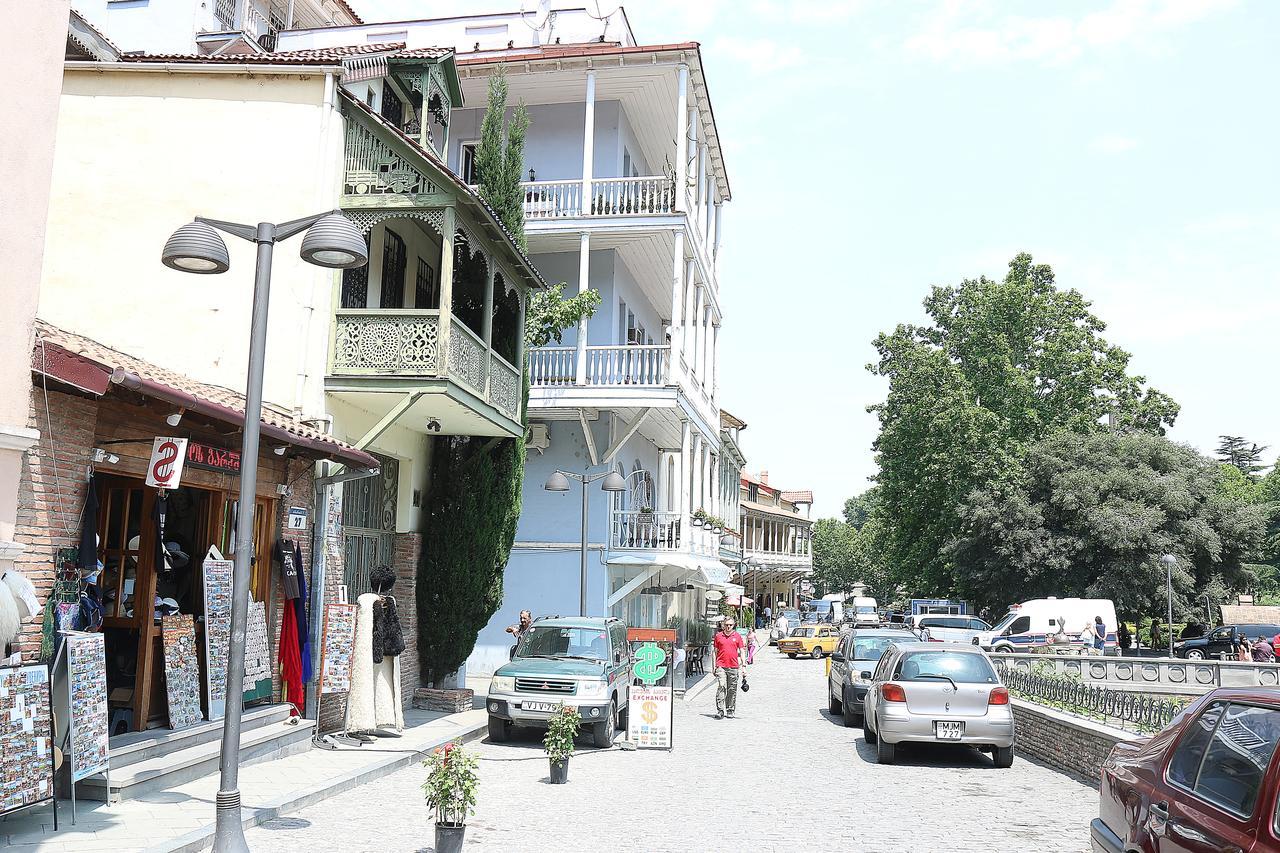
(649, 660)
(649, 712)
(164, 465)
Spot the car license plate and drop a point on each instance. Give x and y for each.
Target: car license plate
(948, 730)
(549, 707)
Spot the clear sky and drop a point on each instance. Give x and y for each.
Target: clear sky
(877, 147)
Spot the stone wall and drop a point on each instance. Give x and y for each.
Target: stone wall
(1064, 741)
(408, 550)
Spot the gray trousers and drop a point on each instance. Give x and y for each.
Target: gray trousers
(727, 689)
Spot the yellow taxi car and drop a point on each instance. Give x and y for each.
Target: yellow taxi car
(812, 640)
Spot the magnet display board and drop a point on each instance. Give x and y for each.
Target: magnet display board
(181, 670)
(257, 654)
(335, 653)
(26, 737)
(87, 688)
(217, 629)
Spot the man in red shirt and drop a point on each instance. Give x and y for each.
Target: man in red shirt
(730, 649)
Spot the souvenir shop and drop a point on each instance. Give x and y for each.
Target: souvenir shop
(147, 569)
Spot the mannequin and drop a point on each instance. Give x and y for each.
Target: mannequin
(374, 700)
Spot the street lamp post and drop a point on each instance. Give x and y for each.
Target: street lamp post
(559, 482)
(331, 241)
(1169, 562)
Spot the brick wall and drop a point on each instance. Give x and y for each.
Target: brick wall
(333, 706)
(1066, 742)
(301, 483)
(408, 550)
(51, 494)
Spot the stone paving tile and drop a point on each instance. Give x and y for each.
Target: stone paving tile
(782, 776)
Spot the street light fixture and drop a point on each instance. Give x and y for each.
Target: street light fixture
(1169, 562)
(559, 482)
(333, 242)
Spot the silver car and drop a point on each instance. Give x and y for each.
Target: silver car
(938, 693)
(858, 653)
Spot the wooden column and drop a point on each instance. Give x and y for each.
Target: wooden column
(584, 284)
(446, 291)
(682, 132)
(677, 302)
(588, 141)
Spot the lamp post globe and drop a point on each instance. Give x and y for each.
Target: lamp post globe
(196, 248)
(614, 483)
(557, 482)
(334, 242)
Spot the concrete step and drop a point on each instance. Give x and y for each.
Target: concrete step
(167, 770)
(134, 747)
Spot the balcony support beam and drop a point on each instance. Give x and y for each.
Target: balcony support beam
(632, 585)
(406, 403)
(588, 142)
(626, 436)
(588, 437)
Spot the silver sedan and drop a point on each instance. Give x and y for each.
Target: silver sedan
(938, 693)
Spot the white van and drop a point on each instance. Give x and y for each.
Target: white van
(862, 611)
(1035, 623)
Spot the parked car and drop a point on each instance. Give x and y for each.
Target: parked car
(1208, 781)
(948, 693)
(1034, 623)
(580, 660)
(864, 611)
(949, 629)
(811, 640)
(793, 620)
(859, 651)
(1221, 642)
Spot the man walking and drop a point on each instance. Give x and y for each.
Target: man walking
(730, 648)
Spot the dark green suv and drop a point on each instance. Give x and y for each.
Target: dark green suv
(582, 661)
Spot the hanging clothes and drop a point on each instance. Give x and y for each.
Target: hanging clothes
(300, 613)
(286, 556)
(289, 657)
(388, 637)
(374, 699)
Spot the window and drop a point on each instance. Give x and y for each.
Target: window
(557, 641)
(1225, 753)
(369, 524)
(355, 284)
(1021, 625)
(392, 109)
(426, 291)
(467, 164)
(960, 667)
(869, 648)
(383, 38)
(393, 268)
(978, 625)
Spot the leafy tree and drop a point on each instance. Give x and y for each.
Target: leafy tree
(859, 508)
(551, 312)
(1091, 515)
(844, 556)
(1001, 365)
(1244, 455)
(500, 158)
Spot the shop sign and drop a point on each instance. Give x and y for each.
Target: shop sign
(164, 471)
(201, 455)
(649, 717)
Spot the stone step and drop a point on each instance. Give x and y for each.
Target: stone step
(178, 766)
(134, 747)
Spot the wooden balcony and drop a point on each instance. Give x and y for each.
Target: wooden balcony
(625, 366)
(652, 195)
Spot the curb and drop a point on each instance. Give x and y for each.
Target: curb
(202, 839)
(698, 689)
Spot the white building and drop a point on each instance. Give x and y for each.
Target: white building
(625, 192)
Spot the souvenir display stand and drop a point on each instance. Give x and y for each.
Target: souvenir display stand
(26, 739)
(84, 657)
(337, 645)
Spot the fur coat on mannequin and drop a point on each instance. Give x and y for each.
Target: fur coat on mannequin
(374, 700)
(10, 617)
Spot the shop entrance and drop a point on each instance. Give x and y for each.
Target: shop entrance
(138, 586)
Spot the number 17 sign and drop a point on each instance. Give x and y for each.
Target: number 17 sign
(164, 471)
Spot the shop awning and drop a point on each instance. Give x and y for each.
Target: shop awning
(709, 572)
(93, 368)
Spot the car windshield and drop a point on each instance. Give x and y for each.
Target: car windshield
(960, 667)
(803, 632)
(866, 608)
(542, 641)
(870, 648)
(1006, 621)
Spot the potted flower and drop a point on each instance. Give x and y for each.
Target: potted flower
(646, 515)
(451, 790)
(561, 730)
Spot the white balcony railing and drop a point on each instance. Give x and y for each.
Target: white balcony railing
(627, 365)
(644, 531)
(643, 196)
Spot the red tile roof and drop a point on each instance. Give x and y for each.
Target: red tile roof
(101, 355)
(730, 421)
(352, 12)
(313, 56)
(565, 51)
(804, 496)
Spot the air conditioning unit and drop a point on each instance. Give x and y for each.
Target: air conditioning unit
(538, 439)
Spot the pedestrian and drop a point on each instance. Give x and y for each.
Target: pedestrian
(1242, 650)
(730, 649)
(1155, 633)
(520, 629)
(1262, 651)
(751, 647)
(782, 625)
(1087, 636)
(1099, 636)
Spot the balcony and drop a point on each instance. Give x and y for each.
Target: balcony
(634, 530)
(634, 366)
(653, 195)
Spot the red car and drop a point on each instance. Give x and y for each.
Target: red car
(1208, 782)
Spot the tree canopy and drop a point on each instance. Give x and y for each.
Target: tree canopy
(1244, 455)
(1091, 515)
(1000, 365)
(500, 158)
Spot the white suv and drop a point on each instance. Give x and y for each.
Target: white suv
(949, 629)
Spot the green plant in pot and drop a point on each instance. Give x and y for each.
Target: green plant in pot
(451, 790)
(561, 730)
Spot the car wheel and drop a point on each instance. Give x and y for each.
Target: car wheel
(833, 704)
(867, 735)
(497, 729)
(1195, 654)
(791, 655)
(848, 716)
(622, 717)
(886, 752)
(1003, 650)
(602, 733)
(816, 654)
(1003, 756)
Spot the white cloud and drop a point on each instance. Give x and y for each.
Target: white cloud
(1113, 144)
(972, 32)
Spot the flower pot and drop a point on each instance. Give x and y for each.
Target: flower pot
(449, 837)
(559, 771)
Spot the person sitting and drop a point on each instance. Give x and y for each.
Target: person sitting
(1262, 651)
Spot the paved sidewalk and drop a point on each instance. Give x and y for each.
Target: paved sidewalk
(181, 819)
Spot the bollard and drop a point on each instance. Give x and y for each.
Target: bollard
(828, 665)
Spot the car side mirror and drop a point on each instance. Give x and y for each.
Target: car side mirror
(866, 674)
(511, 653)
(838, 657)
(617, 657)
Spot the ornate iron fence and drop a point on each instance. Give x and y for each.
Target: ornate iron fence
(1147, 713)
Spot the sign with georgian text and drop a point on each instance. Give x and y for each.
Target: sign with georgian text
(649, 717)
(201, 455)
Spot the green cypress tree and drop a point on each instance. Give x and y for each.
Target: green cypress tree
(500, 158)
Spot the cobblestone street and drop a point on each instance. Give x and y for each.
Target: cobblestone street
(782, 776)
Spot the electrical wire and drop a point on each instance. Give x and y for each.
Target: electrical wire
(53, 448)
